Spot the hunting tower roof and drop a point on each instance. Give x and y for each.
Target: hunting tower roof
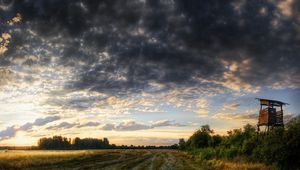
(271, 102)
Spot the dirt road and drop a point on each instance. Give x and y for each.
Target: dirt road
(113, 160)
(130, 159)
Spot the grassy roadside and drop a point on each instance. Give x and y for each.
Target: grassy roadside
(239, 163)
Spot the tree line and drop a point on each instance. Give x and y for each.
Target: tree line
(60, 142)
(279, 147)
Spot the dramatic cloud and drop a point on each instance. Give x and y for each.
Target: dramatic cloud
(5, 37)
(123, 45)
(120, 48)
(91, 62)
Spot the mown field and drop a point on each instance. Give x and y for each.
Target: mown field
(113, 159)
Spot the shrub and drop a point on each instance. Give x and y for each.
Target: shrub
(207, 153)
(279, 146)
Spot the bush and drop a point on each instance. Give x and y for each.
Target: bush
(230, 153)
(249, 145)
(207, 153)
(280, 146)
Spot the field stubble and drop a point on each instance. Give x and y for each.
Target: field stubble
(110, 160)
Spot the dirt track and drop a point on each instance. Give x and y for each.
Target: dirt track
(131, 159)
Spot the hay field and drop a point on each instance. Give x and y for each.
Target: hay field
(109, 160)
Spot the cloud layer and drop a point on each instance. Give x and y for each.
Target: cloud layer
(121, 46)
(95, 64)
(133, 125)
(11, 131)
(124, 48)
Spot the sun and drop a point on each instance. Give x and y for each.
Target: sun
(21, 139)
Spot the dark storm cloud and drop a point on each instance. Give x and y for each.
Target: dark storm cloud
(125, 44)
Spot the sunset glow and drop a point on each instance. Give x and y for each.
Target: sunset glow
(139, 72)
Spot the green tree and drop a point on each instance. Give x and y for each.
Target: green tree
(201, 138)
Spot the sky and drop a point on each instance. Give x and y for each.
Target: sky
(143, 72)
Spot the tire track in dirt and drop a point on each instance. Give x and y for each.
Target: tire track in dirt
(146, 164)
(130, 160)
(154, 160)
(137, 160)
(175, 160)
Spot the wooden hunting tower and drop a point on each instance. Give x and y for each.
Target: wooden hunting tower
(270, 114)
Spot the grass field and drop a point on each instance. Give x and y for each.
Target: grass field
(112, 159)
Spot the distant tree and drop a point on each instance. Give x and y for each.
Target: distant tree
(175, 146)
(59, 142)
(56, 142)
(181, 144)
(105, 142)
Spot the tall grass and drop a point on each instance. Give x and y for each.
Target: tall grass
(239, 165)
(220, 158)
